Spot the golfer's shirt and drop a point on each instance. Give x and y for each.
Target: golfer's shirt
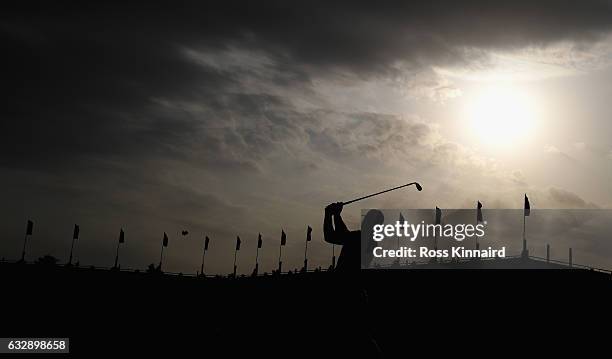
(350, 256)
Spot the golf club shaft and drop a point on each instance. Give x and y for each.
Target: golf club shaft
(377, 193)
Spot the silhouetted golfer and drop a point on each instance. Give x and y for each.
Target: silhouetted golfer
(350, 241)
(348, 262)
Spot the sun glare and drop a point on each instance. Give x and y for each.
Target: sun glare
(501, 115)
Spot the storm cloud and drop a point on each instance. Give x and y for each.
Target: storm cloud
(160, 108)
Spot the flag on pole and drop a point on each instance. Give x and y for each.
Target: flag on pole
(479, 213)
(309, 234)
(259, 241)
(438, 215)
(165, 242)
(283, 238)
(206, 243)
(75, 234)
(527, 206)
(121, 236)
(29, 228)
(526, 212)
(238, 241)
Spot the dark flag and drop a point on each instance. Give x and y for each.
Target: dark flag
(238, 241)
(283, 238)
(527, 206)
(438, 215)
(121, 236)
(479, 213)
(259, 241)
(206, 243)
(165, 242)
(29, 228)
(75, 234)
(309, 234)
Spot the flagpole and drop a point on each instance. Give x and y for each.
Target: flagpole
(306, 256)
(71, 249)
(477, 245)
(477, 209)
(117, 255)
(438, 221)
(25, 240)
(161, 256)
(235, 253)
(435, 234)
(202, 266)
(257, 259)
(398, 247)
(524, 237)
(435, 244)
(280, 252)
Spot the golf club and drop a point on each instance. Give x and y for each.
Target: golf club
(418, 186)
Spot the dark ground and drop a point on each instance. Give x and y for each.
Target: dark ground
(320, 314)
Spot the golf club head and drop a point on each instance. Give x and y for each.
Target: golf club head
(418, 186)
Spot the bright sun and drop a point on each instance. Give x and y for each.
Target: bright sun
(501, 115)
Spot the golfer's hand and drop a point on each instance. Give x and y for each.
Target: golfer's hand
(334, 208)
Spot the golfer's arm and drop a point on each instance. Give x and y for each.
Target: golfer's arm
(329, 233)
(341, 228)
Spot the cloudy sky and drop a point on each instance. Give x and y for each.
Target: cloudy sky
(232, 118)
